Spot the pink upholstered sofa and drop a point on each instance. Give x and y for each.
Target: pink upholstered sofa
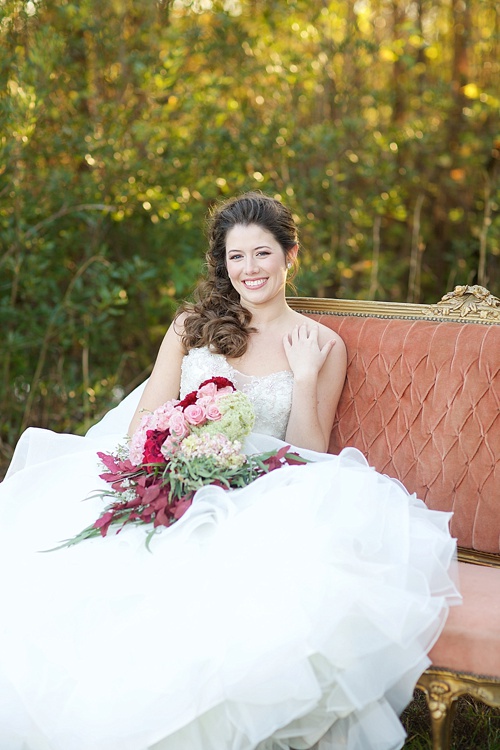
(422, 402)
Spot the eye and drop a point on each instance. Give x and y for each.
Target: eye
(264, 252)
(235, 256)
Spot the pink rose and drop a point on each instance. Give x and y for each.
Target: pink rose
(178, 425)
(225, 391)
(204, 401)
(213, 412)
(195, 414)
(172, 405)
(161, 416)
(210, 389)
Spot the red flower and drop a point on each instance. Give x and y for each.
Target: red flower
(188, 399)
(219, 382)
(152, 446)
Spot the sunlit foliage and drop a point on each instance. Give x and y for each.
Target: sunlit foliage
(121, 123)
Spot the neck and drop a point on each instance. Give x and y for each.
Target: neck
(269, 315)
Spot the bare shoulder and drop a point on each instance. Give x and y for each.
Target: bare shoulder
(324, 332)
(178, 322)
(175, 332)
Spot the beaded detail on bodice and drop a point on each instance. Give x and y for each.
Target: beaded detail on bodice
(271, 395)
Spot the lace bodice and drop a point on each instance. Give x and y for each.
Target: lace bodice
(271, 395)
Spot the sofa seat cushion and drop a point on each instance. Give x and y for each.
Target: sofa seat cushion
(470, 641)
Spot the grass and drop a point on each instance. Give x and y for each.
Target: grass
(476, 726)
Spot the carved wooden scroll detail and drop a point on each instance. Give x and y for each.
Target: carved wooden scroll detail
(467, 301)
(443, 688)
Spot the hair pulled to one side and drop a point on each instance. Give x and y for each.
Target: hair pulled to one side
(216, 318)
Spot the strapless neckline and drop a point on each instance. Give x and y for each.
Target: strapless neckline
(253, 377)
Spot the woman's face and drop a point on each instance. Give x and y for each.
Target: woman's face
(256, 263)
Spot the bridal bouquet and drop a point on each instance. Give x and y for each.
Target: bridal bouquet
(177, 449)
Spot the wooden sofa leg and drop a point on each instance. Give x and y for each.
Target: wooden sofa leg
(441, 701)
(442, 713)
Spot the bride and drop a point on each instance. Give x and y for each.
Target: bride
(296, 612)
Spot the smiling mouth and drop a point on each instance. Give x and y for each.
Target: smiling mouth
(254, 283)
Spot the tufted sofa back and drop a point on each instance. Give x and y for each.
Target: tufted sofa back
(422, 403)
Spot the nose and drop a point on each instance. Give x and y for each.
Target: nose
(251, 265)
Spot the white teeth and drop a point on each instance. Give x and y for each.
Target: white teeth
(254, 283)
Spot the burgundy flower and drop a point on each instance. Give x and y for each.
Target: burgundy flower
(188, 399)
(219, 382)
(152, 446)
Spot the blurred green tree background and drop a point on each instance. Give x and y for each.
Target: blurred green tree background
(122, 122)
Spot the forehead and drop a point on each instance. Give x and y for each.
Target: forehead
(249, 236)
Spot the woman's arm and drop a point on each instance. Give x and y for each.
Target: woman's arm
(318, 360)
(164, 383)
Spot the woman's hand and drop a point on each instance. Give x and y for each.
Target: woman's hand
(303, 352)
(317, 358)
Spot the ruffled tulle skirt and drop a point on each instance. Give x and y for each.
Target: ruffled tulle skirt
(296, 612)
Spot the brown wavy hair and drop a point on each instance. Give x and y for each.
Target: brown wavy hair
(216, 318)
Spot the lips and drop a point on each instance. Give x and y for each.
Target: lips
(254, 283)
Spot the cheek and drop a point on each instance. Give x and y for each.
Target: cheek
(231, 271)
(281, 268)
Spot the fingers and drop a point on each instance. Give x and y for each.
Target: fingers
(328, 346)
(304, 354)
(326, 349)
(304, 334)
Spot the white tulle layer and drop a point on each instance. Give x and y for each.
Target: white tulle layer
(296, 611)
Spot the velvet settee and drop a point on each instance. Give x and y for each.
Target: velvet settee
(422, 402)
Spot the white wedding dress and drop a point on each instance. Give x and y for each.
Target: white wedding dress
(296, 612)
